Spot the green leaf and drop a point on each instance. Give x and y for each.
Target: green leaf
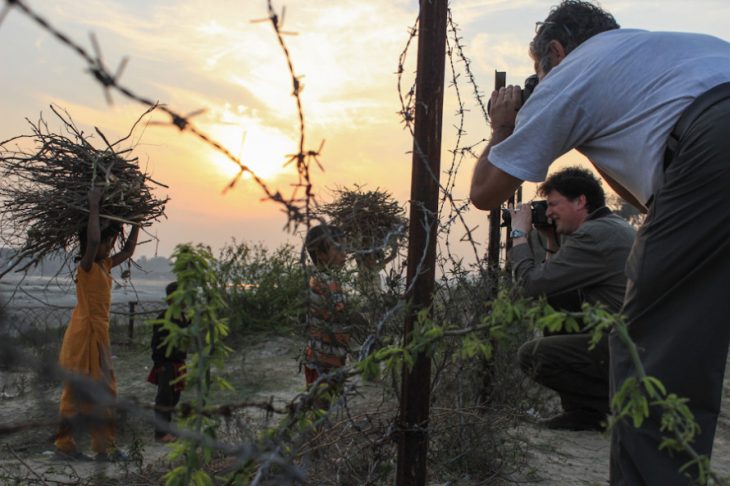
(652, 384)
(201, 478)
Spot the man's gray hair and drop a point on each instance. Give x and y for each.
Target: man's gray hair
(571, 23)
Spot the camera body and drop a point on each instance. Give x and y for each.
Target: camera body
(539, 215)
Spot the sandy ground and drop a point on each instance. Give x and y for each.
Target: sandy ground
(554, 458)
(28, 454)
(564, 458)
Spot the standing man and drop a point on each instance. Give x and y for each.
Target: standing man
(653, 108)
(587, 267)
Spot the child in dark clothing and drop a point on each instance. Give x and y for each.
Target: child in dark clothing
(168, 366)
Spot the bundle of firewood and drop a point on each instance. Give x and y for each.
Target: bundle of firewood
(372, 221)
(46, 177)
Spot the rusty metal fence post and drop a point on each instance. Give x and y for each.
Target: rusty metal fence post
(426, 162)
(500, 80)
(130, 329)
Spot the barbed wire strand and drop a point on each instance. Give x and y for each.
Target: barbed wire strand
(110, 82)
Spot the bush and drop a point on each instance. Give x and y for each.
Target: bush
(264, 289)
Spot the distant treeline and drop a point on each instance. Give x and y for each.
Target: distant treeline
(154, 268)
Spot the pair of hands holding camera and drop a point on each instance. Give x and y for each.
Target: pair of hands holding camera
(522, 221)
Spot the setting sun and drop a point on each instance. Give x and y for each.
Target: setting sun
(262, 149)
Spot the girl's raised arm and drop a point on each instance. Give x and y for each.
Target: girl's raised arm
(93, 232)
(128, 249)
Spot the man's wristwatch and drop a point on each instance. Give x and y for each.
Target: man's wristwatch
(515, 233)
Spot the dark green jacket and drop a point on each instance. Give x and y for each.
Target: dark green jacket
(590, 263)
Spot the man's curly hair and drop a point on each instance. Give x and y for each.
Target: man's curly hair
(574, 181)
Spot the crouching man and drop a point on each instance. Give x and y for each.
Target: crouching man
(587, 266)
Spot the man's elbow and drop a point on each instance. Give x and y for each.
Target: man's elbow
(479, 199)
(529, 290)
(491, 186)
(485, 199)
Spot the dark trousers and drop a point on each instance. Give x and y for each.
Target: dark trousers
(677, 303)
(167, 397)
(562, 362)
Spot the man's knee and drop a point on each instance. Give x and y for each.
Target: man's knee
(551, 354)
(527, 356)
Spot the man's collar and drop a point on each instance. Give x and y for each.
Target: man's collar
(599, 213)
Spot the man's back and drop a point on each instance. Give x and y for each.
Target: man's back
(615, 98)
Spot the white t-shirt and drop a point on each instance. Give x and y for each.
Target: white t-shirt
(615, 98)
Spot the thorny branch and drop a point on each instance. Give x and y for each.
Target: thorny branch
(304, 158)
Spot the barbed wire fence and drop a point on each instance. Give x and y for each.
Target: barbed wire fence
(356, 436)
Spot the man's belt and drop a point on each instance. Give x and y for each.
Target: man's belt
(690, 114)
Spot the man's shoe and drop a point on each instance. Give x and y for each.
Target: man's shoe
(59, 455)
(575, 420)
(116, 455)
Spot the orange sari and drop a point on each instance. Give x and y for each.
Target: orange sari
(86, 351)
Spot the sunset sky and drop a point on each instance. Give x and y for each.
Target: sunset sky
(193, 54)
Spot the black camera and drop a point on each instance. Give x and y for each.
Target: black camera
(539, 215)
(530, 85)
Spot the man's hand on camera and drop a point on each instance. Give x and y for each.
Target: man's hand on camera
(521, 217)
(504, 104)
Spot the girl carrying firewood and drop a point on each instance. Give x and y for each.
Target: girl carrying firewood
(90, 385)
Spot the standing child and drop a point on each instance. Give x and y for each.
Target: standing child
(327, 318)
(86, 349)
(168, 366)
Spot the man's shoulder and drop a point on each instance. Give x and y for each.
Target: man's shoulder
(613, 220)
(610, 226)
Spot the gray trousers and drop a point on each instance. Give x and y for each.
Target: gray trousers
(677, 303)
(562, 362)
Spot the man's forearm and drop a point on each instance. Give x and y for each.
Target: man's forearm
(551, 242)
(521, 259)
(481, 175)
(522, 240)
(491, 186)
